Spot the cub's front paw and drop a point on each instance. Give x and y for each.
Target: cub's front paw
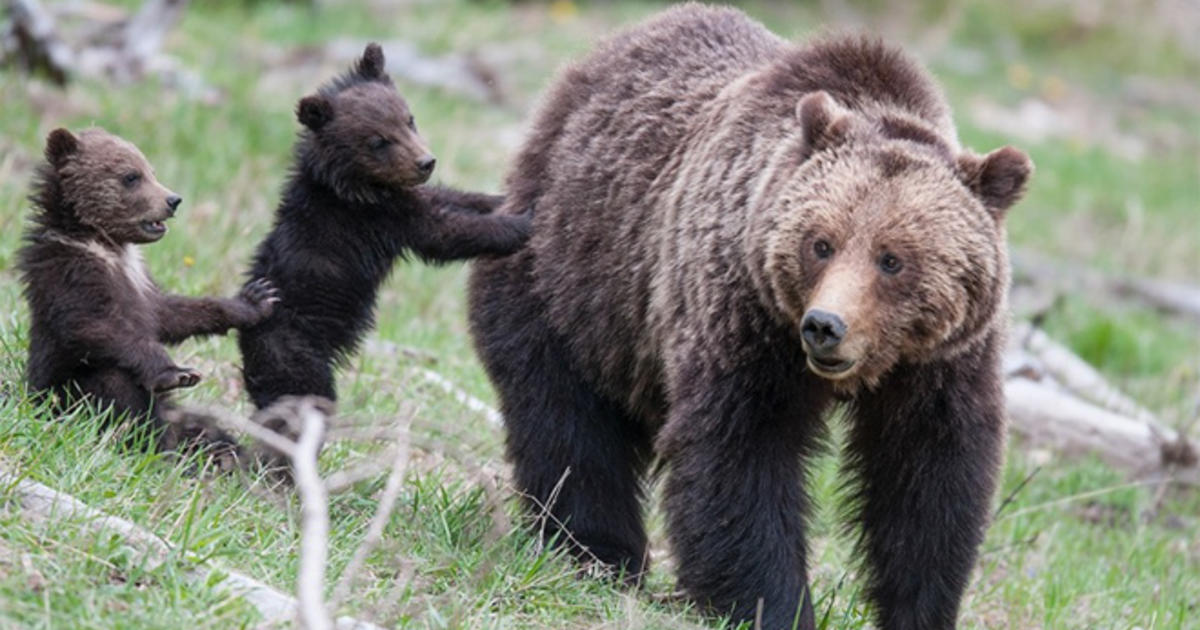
(260, 296)
(521, 224)
(174, 377)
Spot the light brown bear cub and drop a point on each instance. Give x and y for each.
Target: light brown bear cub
(733, 235)
(99, 322)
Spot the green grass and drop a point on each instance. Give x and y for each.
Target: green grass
(1077, 547)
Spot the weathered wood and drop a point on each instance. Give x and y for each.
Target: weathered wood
(1057, 399)
(43, 504)
(38, 43)
(1173, 297)
(1072, 373)
(1073, 426)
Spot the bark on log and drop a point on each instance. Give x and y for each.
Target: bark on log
(1057, 399)
(1076, 427)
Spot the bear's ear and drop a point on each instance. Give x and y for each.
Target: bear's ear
(371, 64)
(314, 111)
(823, 122)
(998, 178)
(60, 144)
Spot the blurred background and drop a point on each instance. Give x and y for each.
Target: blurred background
(1098, 522)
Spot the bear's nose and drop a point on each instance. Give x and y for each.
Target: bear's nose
(822, 331)
(426, 163)
(173, 202)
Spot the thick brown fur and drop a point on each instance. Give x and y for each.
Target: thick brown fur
(353, 205)
(731, 234)
(99, 322)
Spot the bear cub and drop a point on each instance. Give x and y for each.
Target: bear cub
(353, 205)
(99, 322)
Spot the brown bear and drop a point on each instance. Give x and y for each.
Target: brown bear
(732, 235)
(354, 204)
(99, 322)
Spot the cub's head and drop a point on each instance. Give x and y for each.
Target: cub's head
(104, 185)
(360, 135)
(883, 243)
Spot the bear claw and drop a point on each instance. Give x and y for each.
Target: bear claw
(175, 378)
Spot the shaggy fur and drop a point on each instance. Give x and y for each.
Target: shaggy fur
(731, 234)
(98, 320)
(353, 205)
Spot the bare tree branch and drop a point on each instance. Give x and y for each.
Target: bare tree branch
(314, 526)
(470, 402)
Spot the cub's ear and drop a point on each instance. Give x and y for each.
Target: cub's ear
(60, 144)
(825, 123)
(998, 178)
(371, 64)
(314, 111)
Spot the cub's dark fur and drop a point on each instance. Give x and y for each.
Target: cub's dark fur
(353, 205)
(98, 320)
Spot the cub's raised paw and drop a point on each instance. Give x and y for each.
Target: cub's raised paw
(261, 296)
(521, 224)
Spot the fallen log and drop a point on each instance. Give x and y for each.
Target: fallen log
(1056, 399)
(1056, 419)
(109, 46)
(1177, 298)
(42, 504)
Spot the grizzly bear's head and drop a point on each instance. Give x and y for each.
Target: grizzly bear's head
(360, 136)
(884, 244)
(101, 184)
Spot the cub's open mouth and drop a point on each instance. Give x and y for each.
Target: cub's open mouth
(829, 367)
(154, 228)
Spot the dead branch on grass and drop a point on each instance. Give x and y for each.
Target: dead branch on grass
(43, 504)
(470, 402)
(295, 429)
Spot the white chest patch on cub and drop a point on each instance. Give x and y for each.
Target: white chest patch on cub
(134, 268)
(127, 262)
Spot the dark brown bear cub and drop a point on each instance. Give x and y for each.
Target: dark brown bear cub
(353, 205)
(98, 320)
(756, 231)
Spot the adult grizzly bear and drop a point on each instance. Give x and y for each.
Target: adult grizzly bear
(99, 323)
(731, 233)
(353, 205)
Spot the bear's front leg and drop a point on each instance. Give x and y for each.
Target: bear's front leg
(735, 445)
(440, 198)
(447, 235)
(926, 446)
(181, 317)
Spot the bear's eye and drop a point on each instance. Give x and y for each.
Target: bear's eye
(379, 142)
(822, 249)
(412, 123)
(890, 264)
(130, 179)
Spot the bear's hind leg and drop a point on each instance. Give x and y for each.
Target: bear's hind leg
(279, 360)
(925, 448)
(118, 389)
(577, 458)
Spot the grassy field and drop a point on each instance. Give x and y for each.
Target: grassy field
(1117, 188)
